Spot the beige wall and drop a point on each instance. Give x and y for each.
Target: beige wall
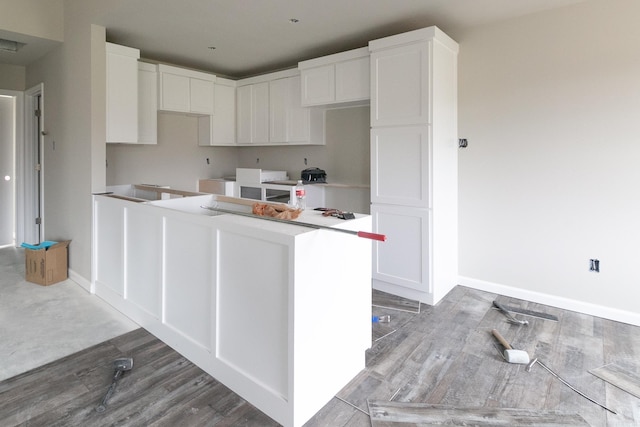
(550, 104)
(38, 18)
(12, 77)
(177, 160)
(67, 76)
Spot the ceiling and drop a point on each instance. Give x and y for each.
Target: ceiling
(257, 36)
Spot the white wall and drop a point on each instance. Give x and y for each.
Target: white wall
(550, 104)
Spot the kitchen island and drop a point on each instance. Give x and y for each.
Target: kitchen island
(279, 313)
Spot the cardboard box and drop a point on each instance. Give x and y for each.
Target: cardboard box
(47, 266)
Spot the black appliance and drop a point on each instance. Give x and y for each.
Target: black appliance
(313, 175)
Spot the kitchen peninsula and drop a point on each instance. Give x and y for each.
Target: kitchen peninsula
(278, 312)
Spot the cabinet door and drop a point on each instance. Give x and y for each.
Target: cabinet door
(289, 120)
(401, 85)
(175, 92)
(404, 258)
(260, 112)
(353, 80)
(298, 117)
(318, 85)
(243, 114)
(122, 95)
(147, 104)
(201, 92)
(223, 120)
(278, 104)
(401, 166)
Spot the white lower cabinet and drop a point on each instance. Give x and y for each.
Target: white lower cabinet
(239, 296)
(403, 259)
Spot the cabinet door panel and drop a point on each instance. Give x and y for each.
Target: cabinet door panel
(201, 96)
(122, 98)
(260, 110)
(318, 85)
(244, 119)
(298, 118)
(400, 166)
(278, 110)
(353, 80)
(147, 104)
(403, 259)
(223, 121)
(109, 244)
(174, 93)
(400, 79)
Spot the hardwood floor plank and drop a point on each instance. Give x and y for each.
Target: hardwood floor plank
(621, 378)
(407, 414)
(393, 302)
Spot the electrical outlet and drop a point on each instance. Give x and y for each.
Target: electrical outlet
(594, 265)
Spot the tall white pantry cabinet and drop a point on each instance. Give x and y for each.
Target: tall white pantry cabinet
(414, 164)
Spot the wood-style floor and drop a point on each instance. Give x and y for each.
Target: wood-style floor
(443, 355)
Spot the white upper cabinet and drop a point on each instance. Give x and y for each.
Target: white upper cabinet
(122, 94)
(269, 112)
(342, 78)
(147, 103)
(253, 113)
(220, 128)
(289, 121)
(185, 91)
(401, 80)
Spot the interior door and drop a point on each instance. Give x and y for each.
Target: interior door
(7, 171)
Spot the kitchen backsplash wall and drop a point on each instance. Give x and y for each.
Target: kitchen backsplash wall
(178, 161)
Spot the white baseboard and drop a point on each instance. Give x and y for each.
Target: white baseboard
(80, 280)
(553, 300)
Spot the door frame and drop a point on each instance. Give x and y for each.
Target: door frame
(30, 199)
(17, 142)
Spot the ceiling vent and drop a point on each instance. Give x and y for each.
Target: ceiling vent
(10, 46)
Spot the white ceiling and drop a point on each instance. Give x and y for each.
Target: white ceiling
(256, 36)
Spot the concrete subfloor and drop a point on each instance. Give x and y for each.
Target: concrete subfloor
(40, 324)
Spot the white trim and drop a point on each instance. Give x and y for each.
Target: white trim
(81, 281)
(610, 313)
(25, 195)
(18, 138)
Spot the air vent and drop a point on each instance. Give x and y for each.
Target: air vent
(10, 46)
